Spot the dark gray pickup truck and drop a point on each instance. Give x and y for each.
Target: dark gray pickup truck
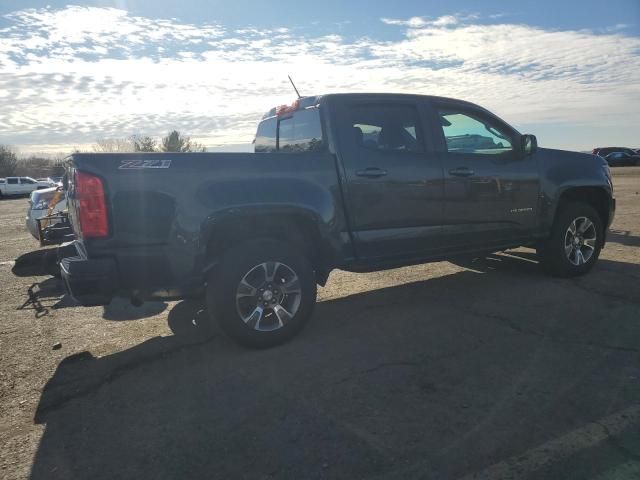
(358, 182)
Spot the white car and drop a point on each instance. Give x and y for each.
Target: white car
(20, 186)
(39, 207)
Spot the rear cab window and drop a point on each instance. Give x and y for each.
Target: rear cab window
(295, 132)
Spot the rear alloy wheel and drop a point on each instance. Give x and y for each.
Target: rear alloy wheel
(268, 296)
(262, 293)
(575, 241)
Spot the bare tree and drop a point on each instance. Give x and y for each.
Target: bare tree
(114, 145)
(35, 166)
(175, 142)
(8, 161)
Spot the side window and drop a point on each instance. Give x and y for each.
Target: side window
(266, 136)
(301, 132)
(466, 133)
(26, 180)
(12, 181)
(387, 127)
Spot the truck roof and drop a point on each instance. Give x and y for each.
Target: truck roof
(308, 101)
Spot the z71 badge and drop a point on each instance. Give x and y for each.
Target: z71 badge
(137, 164)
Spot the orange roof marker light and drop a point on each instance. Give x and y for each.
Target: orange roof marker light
(285, 109)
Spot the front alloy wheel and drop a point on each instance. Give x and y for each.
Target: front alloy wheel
(580, 241)
(575, 241)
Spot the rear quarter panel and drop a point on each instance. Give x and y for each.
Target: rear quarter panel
(161, 219)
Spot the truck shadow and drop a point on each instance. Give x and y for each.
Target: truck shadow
(446, 375)
(37, 263)
(121, 309)
(45, 296)
(623, 237)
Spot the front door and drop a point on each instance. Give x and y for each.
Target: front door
(393, 187)
(491, 188)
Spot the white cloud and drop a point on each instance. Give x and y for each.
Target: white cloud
(443, 21)
(70, 76)
(414, 22)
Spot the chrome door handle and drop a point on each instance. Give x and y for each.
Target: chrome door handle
(461, 172)
(371, 172)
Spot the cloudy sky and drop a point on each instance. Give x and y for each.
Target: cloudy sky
(568, 71)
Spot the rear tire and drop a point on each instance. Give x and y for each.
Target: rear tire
(575, 242)
(262, 293)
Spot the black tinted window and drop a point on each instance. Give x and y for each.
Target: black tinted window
(301, 132)
(266, 136)
(12, 181)
(387, 127)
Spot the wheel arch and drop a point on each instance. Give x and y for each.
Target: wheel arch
(297, 226)
(597, 197)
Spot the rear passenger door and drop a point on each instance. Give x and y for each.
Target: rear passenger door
(393, 187)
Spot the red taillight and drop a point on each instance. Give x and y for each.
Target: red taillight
(92, 206)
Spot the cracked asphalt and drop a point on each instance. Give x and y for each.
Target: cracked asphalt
(484, 369)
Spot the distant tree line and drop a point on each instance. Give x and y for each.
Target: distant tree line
(173, 142)
(31, 166)
(42, 167)
(8, 161)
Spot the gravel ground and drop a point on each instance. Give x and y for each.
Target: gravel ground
(484, 370)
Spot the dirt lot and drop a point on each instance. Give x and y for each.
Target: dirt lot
(487, 370)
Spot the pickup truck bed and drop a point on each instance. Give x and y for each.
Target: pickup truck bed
(166, 217)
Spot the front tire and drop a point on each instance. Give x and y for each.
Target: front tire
(575, 242)
(262, 293)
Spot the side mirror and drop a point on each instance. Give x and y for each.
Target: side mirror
(529, 144)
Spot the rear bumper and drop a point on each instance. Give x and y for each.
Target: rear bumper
(89, 281)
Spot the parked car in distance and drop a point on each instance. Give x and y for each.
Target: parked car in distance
(51, 181)
(357, 182)
(39, 207)
(20, 186)
(604, 151)
(622, 159)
